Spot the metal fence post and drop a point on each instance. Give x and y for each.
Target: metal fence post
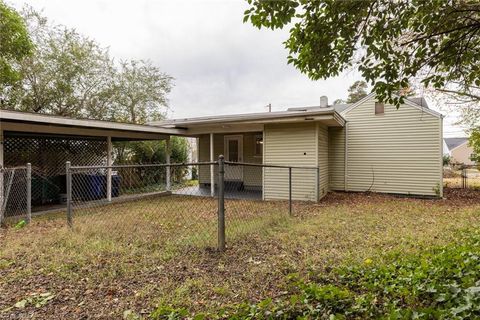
(290, 190)
(29, 192)
(69, 194)
(221, 203)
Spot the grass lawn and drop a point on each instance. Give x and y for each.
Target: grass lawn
(159, 251)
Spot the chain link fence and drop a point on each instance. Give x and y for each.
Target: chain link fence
(461, 176)
(165, 205)
(159, 203)
(15, 192)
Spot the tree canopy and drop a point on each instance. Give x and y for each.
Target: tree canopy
(389, 42)
(53, 69)
(71, 75)
(357, 91)
(474, 142)
(15, 44)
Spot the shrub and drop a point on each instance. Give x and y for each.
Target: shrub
(441, 283)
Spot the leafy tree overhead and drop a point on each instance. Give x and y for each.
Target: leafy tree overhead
(140, 89)
(389, 42)
(15, 44)
(68, 74)
(357, 91)
(71, 75)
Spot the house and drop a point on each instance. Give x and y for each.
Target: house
(365, 146)
(459, 151)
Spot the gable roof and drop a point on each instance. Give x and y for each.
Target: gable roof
(452, 143)
(416, 102)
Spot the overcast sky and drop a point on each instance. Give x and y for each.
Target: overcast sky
(220, 64)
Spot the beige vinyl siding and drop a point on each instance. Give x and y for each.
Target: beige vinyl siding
(336, 158)
(462, 154)
(290, 145)
(252, 176)
(395, 152)
(323, 160)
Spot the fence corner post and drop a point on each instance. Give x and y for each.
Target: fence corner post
(69, 194)
(221, 203)
(29, 192)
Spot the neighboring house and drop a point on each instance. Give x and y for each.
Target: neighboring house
(365, 146)
(459, 150)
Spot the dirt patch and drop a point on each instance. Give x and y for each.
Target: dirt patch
(452, 197)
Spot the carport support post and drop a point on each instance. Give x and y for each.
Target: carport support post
(109, 169)
(29, 192)
(168, 168)
(221, 203)
(69, 194)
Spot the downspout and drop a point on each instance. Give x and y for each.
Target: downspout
(346, 157)
(441, 157)
(317, 174)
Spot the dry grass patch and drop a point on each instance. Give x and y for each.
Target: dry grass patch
(133, 256)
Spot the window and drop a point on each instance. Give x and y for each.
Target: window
(379, 108)
(258, 145)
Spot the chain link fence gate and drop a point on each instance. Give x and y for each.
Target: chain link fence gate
(168, 206)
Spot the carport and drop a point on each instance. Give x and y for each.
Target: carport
(47, 142)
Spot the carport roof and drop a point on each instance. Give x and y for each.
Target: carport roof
(16, 121)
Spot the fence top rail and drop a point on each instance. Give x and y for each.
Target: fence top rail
(144, 165)
(267, 165)
(2, 169)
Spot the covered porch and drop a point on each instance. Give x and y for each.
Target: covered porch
(296, 137)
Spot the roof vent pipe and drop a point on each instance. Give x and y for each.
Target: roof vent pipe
(323, 102)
